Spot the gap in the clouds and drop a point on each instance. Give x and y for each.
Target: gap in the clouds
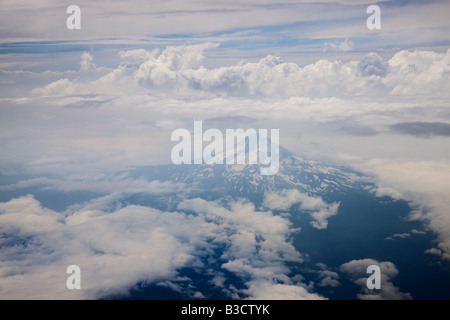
(426, 275)
(359, 231)
(367, 221)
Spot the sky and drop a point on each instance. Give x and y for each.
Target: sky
(78, 106)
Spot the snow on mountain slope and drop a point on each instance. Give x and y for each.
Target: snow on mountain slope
(294, 172)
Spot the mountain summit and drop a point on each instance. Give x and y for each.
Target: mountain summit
(245, 180)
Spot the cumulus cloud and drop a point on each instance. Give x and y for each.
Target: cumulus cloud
(372, 64)
(179, 71)
(419, 72)
(319, 210)
(327, 278)
(116, 249)
(101, 243)
(258, 248)
(356, 271)
(171, 63)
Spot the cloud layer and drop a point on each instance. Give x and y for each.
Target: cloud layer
(117, 248)
(384, 115)
(248, 25)
(178, 71)
(373, 113)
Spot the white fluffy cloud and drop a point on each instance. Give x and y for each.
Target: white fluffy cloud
(356, 271)
(118, 248)
(372, 64)
(327, 277)
(419, 72)
(102, 243)
(320, 210)
(179, 71)
(258, 248)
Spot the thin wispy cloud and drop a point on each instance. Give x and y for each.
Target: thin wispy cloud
(422, 129)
